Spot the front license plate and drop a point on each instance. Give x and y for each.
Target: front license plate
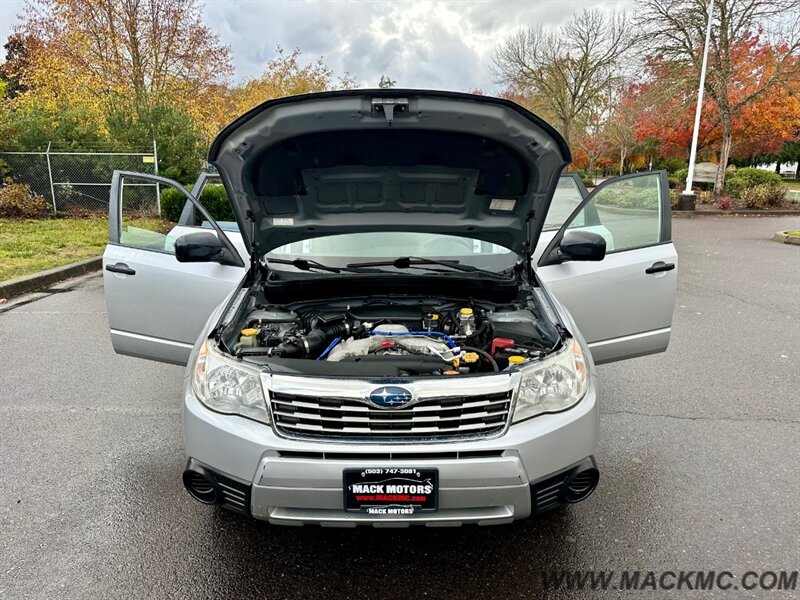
(390, 490)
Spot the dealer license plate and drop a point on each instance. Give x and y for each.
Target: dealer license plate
(390, 490)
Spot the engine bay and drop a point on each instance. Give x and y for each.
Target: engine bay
(390, 335)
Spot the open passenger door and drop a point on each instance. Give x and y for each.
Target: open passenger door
(623, 304)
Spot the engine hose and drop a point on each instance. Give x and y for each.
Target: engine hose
(446, 337)
(338, 328)
(329, 348)
(484, 354)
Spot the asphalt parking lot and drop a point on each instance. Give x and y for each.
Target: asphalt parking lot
(698, 457)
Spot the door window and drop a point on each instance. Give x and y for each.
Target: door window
(566, 199)
(626, 211)
(141, 226)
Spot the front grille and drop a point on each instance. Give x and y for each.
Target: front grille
(430, 418)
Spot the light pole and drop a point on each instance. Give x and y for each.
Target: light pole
(687, 201)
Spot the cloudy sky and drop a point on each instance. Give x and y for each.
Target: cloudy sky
(442, 45)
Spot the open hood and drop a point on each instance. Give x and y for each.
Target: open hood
(390, 160)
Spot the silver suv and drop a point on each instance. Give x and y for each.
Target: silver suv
(401, 324)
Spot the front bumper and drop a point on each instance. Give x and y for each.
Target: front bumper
(525, 471)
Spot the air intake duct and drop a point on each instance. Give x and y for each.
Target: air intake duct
(314, 342)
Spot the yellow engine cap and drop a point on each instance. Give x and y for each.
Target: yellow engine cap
(515, 359)
(466, 311)
(470, 357)
(249, 331)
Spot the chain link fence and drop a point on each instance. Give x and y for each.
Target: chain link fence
(78, 183)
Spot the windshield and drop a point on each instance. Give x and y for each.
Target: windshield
(342, 249)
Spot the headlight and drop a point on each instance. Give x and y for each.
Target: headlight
(227, 386)
(552, 385)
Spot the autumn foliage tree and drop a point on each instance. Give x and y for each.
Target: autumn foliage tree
(285, 75)
(666, 104)
(125, 54)
(120, 73)
(743, 65)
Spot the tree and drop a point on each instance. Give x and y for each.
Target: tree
(181, 141)
(564, 71)
(738, 73)
(12, 72)
(665, 110)
(285, 75)
(620, 128)
(386, 82)
(592, 137)
(122, 55)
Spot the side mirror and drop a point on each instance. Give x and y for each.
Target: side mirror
(201, 246)
(582, 245)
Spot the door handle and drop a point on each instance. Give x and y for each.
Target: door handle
(659, 267)
(120, 268)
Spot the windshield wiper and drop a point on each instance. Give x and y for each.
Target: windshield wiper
(407, 262)
(304, 264)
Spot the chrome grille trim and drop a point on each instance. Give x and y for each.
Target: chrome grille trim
(352, 418)
(362, 408)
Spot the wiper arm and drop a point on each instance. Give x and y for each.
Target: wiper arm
(406, 262)
(304, 264)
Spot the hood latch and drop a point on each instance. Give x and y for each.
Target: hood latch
(390, 106)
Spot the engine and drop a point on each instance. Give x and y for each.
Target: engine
(413, 336)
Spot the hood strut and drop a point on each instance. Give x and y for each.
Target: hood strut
(251, 274)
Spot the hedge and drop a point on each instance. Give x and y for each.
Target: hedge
(213, 198)
(748, 177)
(632, 198)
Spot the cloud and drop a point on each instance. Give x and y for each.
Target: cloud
(427, 44)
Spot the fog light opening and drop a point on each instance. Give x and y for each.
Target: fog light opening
(202, 487)
(581, 485)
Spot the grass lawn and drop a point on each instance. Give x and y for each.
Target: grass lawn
(35, 245)
(793, 233)
(792, 184)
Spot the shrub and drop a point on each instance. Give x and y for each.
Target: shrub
(172, 202)
(215, 200)
(724, 203)
(670, 164)
(17, 201)
(704, 197)
(632, 198)
(763, 195)
(674, 199)
(749, 177)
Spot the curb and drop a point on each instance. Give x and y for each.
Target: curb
(785, 238)
(691, 214)
(30, 283)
